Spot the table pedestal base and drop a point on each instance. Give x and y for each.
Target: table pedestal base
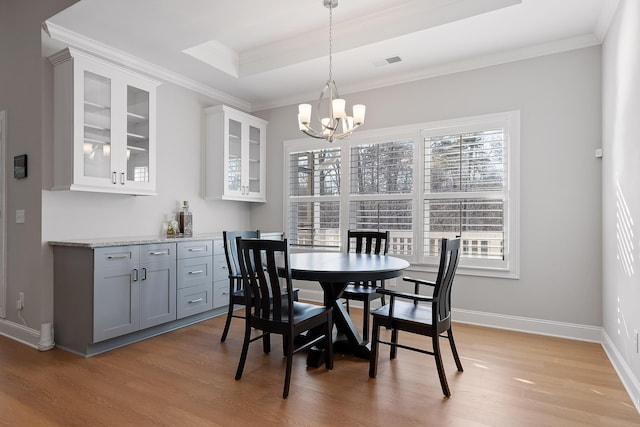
(316, 356)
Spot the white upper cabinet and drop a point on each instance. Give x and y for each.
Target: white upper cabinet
(235, 155)
(104, 126)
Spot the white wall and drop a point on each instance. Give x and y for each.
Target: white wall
(621, 197)
(559, 97)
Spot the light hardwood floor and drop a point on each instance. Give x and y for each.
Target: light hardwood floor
(186, 378)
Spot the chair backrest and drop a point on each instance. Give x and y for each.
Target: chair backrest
(449, 258)
(368, 242)
(231, 251)
(266, 297)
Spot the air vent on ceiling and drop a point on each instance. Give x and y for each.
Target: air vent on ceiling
(386, 61)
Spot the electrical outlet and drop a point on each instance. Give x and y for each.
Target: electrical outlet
(20, 301)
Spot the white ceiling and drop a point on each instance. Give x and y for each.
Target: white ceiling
(264, 54)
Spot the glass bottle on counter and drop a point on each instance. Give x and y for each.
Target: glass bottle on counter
(186, 220)
(172, 226)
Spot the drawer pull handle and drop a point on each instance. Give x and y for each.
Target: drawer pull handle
(159, 253)
(193, 301)
(196, 272)
(117, 256)
(196, 249)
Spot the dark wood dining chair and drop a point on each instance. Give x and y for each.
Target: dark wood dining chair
(236, 285)
(366, 242)
(433, 319)
(271, 311)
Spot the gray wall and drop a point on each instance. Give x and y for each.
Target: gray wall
(559, 97)
(21, 96)
(620, 195)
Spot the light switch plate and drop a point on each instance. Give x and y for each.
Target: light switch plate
(20, 216)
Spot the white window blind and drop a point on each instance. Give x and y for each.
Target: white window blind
(465, 191)
(381, 191)
(314, 189)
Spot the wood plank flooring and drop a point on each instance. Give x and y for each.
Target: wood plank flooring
(186, 378)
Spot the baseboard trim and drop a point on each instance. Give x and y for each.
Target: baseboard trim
(629, 381)
(20, 333)
(526, 324)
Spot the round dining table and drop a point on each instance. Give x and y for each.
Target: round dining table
(334, 271)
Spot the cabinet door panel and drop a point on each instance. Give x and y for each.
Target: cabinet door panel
(115, 304)
(157, 294)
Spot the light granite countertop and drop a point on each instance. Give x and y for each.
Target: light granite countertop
(125, 241)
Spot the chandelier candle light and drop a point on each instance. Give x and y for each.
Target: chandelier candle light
(337, 111)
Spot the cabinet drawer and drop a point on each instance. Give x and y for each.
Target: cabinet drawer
(194, 271)
(196, 248)
(157, 252)
(120, 258)
(220, 293)
(218, 247)
(220, 269)
(194, 299)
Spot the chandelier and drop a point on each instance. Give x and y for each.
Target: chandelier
(336, 124)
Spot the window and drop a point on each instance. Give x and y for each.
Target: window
(422, 183)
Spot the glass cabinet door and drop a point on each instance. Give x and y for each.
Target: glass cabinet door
(137, 150)
(97, 126)
(254, 159)
(234, 171)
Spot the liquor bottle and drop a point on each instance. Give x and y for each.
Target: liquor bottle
(186, 220)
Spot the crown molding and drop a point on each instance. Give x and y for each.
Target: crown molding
(104, 51)
(609, 8)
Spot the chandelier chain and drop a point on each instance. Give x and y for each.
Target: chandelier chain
(330, 42)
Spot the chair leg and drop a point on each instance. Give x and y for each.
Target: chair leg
(454, 350)
(347, 301)
(365, 319)
(245, 350)
(287, 376)
(436, 353)
(227, 323)
(375, 337)
(266, 343)
(393, 352)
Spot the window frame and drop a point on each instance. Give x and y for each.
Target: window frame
(509, 121)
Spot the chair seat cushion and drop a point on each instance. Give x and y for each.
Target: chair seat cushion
(406, 311)
(302, 311)
(357, 289)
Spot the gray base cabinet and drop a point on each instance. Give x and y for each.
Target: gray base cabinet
(106, 297)
(104, 293)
